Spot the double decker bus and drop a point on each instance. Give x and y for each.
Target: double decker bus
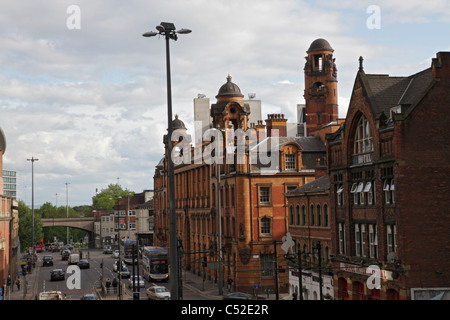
(155, 261)
(129, 250)
(39, 247)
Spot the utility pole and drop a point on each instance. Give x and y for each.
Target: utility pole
(277, 294)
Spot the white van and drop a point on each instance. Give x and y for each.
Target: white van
(74, 258)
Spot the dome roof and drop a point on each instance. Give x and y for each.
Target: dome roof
(178, 124)
(319, 45)
(229, 89)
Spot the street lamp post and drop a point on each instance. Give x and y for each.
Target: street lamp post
(167, 29)
(67, 208)
(32, 205)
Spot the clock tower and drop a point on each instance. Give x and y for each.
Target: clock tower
(320, 86)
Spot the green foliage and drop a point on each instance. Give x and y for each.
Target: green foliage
(106, 198)
(26, 226)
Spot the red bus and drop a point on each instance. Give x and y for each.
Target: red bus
(39, 247)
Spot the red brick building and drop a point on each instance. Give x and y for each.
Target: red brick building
(389, 174)
(252, 205)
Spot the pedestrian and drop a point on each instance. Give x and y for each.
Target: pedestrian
(229, 282)
(18, 283)
(114, 284)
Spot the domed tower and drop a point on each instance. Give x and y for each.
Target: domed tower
(230, 111)
(320, 86)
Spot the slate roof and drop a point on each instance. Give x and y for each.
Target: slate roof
(321, 184)
(386, 92)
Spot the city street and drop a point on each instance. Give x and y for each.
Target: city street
(89, 281)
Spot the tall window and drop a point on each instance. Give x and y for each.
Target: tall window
(391, 231)
(360, 239)
(264, 195)
(303, 215)
(341, 235)
(325, 216)
(291, 214)
(312, 215)
(267, 262)
(373, 241)
(297, 215)
(363, 137)
(265, 226)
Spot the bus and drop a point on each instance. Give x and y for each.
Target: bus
(155, 263)
(39, 247)
(128, 249)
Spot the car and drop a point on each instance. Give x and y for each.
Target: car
(89, 296)
(65, 255)
(107, 250)
(47, 260)
(116, 254)
(158, 293)
(125, 273)
(139, 282)
(116, 263)
(57, 274)
(237, 296)
(83, 264)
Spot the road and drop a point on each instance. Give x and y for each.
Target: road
(89, 279)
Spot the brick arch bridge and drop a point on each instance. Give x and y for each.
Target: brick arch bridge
(79, 223)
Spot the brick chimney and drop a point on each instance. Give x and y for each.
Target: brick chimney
(441, 65)
(276, 121)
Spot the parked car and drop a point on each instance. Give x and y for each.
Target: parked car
(158, 293)
(47, 261)
(57, 274)
(89, 296)
(139, 282)
(116, 254)
(237, 296)
(83, 264)
(125, 273)
(107, 250)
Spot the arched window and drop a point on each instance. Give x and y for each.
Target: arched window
(297, 215)
(312, 222)
(303, 215)
(325, 216)
(291, 214)
(319, 216)
(363, 142)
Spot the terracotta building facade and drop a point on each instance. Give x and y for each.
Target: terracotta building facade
(388, 168)
(247, 195)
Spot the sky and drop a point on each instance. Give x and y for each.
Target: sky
(82, 91)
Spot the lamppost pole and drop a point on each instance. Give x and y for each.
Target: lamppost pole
(168, 30)
(32, 205)
(67, 208)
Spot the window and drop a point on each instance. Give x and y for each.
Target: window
(360, 240)
(341, 238)
(326, 221)
(363, 142)
(264, 195)
(340, 194)
(265, 226)
(312, 222)
(291, 214)
(290, 161)
(388, 188)
(267, 262)
(368, 189)
(319, 216)
(297, 215)
(391, 231)
(303, 215)
(373, 242)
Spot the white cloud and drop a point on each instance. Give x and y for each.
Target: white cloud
(91, 103)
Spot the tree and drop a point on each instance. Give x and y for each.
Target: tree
(109, 196)
(26, 226)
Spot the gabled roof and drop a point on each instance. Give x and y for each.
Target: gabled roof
(385, 92)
